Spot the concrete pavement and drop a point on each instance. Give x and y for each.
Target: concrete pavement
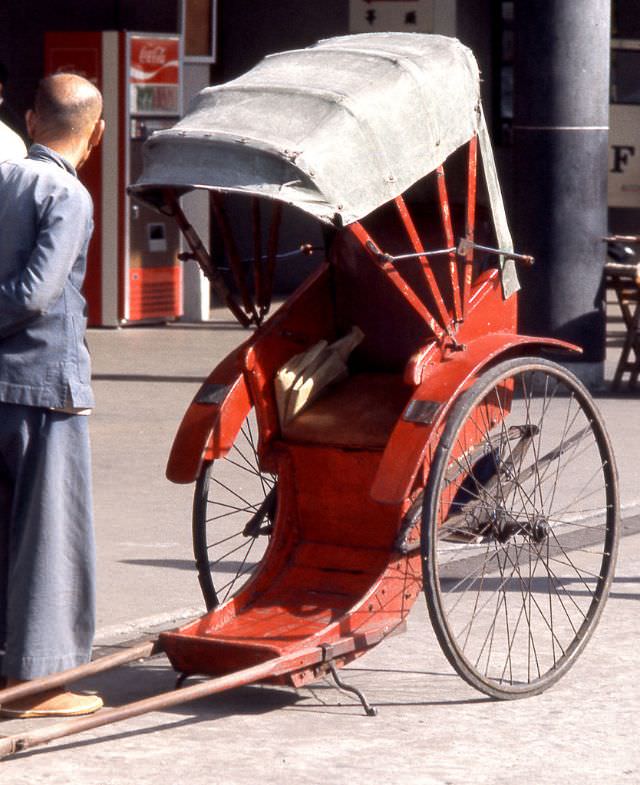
(431, 727)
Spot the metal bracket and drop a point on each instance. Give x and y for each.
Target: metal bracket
(265, 512)
(370, 710)
(180, 680)
(423, 412)
(462, 249)
(390, 258)
(411, 519)
(212, 393)
(464, 246)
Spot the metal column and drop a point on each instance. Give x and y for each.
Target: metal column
(561, 81)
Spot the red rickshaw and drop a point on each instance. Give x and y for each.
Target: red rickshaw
(447, 454)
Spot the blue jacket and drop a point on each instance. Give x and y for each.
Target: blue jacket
(46, 221)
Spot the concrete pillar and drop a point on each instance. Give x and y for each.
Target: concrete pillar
(559, 213)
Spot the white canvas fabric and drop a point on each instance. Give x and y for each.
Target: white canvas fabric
(11, 145)
(336, 129)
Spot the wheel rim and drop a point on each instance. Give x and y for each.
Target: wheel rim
(521, 516)
(234, 511)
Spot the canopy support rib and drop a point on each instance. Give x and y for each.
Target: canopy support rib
(470, 219)
(445, 215)
(201, 255)
(364, 238)
(272, 253)
(417, 246)
(235, 262)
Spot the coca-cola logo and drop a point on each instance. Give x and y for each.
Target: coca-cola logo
(153, 55)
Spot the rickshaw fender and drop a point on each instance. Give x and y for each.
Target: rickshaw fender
(212, 421)
(416, 432)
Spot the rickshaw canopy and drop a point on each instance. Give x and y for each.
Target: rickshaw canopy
(336, 129)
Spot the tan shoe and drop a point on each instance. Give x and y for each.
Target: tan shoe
(53, 703)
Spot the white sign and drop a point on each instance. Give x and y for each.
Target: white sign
(375, 16)
(624, 155)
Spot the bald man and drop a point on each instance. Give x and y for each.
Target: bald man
(47, 571)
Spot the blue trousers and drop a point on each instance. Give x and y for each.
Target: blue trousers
(47, 546)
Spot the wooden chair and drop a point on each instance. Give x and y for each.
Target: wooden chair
(624, 280)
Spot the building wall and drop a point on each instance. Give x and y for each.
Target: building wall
(23, 25)
(250, 30)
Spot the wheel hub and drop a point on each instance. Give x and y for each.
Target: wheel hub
(504, 527)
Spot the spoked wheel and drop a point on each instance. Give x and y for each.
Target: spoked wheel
(520, 527)
(233, 513)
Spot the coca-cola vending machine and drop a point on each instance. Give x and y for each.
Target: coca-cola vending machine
(133, 273)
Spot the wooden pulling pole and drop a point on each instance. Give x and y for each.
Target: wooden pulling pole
(287, 663)
(35, 686)
(278, 666)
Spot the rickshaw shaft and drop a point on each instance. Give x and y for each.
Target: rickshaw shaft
(35, 686)
(278, 666)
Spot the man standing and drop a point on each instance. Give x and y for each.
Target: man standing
(47, 571)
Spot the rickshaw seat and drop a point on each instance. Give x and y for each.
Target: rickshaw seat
(357, 413)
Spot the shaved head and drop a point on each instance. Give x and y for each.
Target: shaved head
(67, 106)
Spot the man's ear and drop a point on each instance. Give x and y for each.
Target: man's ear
(96, 134)
(30, 120)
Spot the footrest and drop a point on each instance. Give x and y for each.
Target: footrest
(205, 655)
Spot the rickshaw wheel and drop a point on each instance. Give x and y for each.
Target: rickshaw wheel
(234, 507)
(520, 527)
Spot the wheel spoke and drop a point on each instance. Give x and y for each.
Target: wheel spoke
(232, 519)
(232, 510)
(242, 570)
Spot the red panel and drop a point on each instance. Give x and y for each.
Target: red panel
(333, 502)
(330, 571)
(298, 609)
(155, 60)
(155, 292)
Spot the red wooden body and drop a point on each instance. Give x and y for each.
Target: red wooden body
(350, 466)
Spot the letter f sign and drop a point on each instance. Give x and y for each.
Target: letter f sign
(621, 155)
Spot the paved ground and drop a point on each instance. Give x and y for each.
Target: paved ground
(431, 727)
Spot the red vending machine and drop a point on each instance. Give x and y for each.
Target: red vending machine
(133, 274)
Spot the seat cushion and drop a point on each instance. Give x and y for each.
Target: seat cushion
(357, 413)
